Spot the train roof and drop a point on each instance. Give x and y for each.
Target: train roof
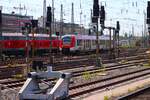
(89, 37)
(12, 34)
(42, 35)
(20, 34)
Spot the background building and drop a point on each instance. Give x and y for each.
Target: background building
(63, 28)
(13, 22)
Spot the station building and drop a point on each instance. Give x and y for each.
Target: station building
(12, 23)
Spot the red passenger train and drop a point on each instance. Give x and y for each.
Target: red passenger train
(15, 43)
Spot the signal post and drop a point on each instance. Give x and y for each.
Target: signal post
(95, 28)
(148, 19)
(1, 35)
(48, 24)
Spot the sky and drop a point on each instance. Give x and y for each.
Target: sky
(130, 13)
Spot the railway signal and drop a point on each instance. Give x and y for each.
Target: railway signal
(27, 31)
(102, 19)
(148, 13)
(148, 18)
(48, 24)
(90, 32)
(23, 30)
(1, 33)
(28, 27)
(117, 36)
(0, 17)
(102, 16)
(117, 27)
(95, 12)
(96, 8)
(49, 17)
(34, 30)
(95, 28)
(57, 33)
(34, 23)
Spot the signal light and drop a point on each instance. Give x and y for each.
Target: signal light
(34, 23)
(57, 33)
(117, 27)
(94, 20)
(49, 16)
(102, 16)
(148, 13)
(95, 1)
(96, 8)
(23, 30)
(148, 3)
(89, 31)
(28, 26)
(102, 13)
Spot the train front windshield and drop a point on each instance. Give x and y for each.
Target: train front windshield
(66, 40)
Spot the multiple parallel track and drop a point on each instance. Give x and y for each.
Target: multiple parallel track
(82, 89)
(7, 72)
(18, 83)
(63, 58)
(78, 90)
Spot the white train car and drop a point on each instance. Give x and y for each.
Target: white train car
(83, 43)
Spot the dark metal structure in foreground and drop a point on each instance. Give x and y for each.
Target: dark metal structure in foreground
(32, 90)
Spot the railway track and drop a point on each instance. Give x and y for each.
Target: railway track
(19, 83)
(63, 58)
(82, 89)
(76, 90)
(7, 72)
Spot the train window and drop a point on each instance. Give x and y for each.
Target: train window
(54, 38)
(13, 38)
(79, 42)
(6, 38)
(66, 39)
(20, 38)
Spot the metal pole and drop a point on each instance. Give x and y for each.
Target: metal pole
(44, 16)
(80, 18)
(110, 42)
(114, 39)
(53, 18)
(98, 59)
(118, 44)
(33, 31)
(114, 43)
(97, 43)
(84, 23)
(61, 21)
(27, 52)
(50, 49)
(72, 19)
(1, 40)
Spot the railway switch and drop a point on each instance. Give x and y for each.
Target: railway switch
(32, 89)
